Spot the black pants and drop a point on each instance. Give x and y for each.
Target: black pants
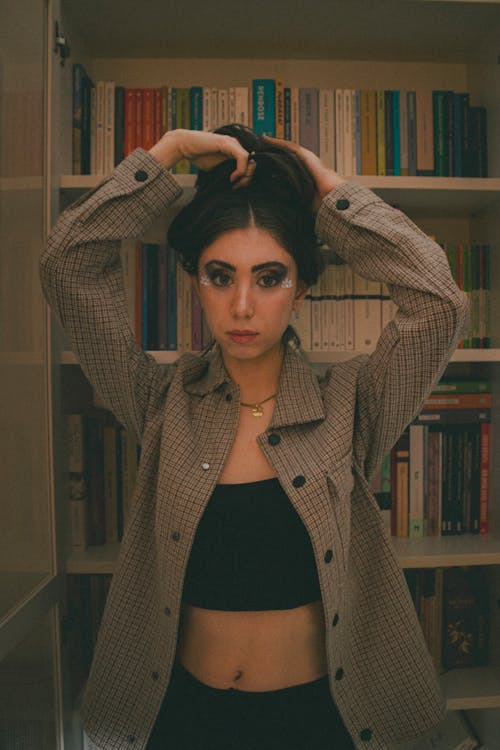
(195, 716)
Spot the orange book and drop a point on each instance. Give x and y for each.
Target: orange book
(458, 401)
(129, 122)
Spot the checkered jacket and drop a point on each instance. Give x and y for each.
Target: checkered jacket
(334, 431)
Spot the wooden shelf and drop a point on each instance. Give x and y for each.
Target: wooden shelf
(432, 196)
(437, 552)
(469, 549)
(467, 689)
(460, 355)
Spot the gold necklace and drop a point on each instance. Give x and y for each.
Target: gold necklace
(256, 408)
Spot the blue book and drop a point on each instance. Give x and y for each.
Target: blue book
(456, 162)
(396, 133)
(264, 106)
(171, 299)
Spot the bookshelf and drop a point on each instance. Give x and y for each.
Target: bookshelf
(432, 45)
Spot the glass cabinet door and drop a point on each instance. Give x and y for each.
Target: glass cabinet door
(25, 517)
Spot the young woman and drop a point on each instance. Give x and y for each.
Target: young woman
(257, 602)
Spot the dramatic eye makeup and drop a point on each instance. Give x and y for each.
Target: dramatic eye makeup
(269, 275)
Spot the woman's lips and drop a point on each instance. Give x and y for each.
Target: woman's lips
(242, 337)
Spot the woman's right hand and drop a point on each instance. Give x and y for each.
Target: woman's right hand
(205, 150)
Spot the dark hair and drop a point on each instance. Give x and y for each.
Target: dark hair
(277, 199)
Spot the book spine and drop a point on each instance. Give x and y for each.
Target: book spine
(309, 126)
(264, 101)
(119, 154)
(425, 133)
(280, 107)
(109, 127)
(485, 480)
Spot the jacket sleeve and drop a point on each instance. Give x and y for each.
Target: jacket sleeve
(81, 277)
(380, 243)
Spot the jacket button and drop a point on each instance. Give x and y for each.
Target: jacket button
(342, 204)
(176, 536)
(328, 555)
(299, 481)
(154, 676)
(141, 175)
(273, 439)
(335, 620)
(366, 734)
(131, 739)
(229, 396)
(339, 673)
(205, 466)
(167, 611)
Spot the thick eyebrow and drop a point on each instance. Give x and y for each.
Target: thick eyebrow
(258, 267)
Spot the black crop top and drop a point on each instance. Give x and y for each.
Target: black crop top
(251, 551)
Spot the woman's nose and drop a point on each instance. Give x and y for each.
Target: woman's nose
(242, 302)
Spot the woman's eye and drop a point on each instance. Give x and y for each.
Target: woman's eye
(268, 280)
(220, 278)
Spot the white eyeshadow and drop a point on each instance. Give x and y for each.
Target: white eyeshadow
(287, 283)
(205, 280)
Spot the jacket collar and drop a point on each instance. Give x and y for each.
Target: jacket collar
(299, 396)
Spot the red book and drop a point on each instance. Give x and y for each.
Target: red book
(139, 118)
(129, 122)
(157, 115)
(148, 134)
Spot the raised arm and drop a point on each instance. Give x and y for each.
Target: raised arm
(81, 273)
(382, 244)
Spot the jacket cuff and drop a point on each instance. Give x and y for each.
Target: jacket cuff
(338, 210)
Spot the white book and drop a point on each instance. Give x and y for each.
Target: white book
(339, 131)
(238, 105)
(301, 322)
(109, 126)
(327, 127)
(417, 480)
(222, 107)
(295, 114)
(78, 521)
(356, 130)
(367, 313)
(75, 442)
(326, 304)
(207, 107)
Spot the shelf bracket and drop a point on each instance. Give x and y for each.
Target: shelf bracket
(62, 46)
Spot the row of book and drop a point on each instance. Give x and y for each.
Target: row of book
(452, 605)
(342, 312)
(435, 481)
(355, 131)
(102, 460)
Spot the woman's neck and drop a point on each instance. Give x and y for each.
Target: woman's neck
(257, 378)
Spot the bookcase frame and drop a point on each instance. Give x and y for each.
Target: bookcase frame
(455, 209)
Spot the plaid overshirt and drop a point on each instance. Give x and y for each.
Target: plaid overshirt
(334, 430)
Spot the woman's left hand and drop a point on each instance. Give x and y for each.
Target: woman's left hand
(325, 178)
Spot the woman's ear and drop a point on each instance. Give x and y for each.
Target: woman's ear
(302, 290)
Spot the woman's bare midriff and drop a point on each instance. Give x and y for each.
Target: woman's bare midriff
(254, 651)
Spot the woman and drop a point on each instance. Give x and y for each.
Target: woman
(257, 602)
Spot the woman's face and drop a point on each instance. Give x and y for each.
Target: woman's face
(248, 286)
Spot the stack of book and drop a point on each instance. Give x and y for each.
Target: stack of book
(355, 131)
(436, 478)
(101, 472)
(452, 605)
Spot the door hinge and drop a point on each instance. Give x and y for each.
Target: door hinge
(62, 46)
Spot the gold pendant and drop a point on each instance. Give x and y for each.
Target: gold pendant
(257, 410)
